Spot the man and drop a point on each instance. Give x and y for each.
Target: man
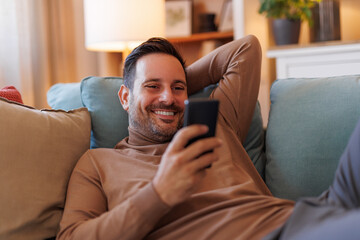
(153, 187)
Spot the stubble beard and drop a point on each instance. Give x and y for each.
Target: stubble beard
(147, 126)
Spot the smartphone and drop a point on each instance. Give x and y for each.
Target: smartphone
(201, 111)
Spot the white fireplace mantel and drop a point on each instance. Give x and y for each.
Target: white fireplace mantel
(317, 59)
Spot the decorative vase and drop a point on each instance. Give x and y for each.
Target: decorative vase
(326, 19)
(286, 31)
(207, 22)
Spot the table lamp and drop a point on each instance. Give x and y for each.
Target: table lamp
(120, 25)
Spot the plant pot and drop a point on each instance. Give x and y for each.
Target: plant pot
(286, 31)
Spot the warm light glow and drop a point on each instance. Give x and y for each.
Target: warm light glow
(116, 25)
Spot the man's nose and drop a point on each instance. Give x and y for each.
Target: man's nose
(167, 96)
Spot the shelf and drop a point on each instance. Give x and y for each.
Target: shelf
(198, 37)
(296, 50)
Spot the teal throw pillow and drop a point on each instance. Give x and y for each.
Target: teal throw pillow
(309, 126)
(65, 96)
(109, 120)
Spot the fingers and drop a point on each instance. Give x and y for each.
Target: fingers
(202, 162)
(193, 151)
(181, 169)
(201, 146)
(183, 136)
(199, 155)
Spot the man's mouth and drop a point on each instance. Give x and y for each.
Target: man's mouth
(165, 113)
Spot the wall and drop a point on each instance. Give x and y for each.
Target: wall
(257, 25)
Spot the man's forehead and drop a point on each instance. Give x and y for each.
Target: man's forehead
(151, 59)
(155, 66)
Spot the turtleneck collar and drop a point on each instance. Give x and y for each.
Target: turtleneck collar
(146, 145)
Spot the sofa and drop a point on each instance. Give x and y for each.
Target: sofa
(309, 124)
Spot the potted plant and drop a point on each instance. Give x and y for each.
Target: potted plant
(287, 16)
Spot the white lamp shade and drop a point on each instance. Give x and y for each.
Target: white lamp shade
(114, 25)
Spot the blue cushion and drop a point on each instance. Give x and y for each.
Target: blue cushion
(309, 126)
(65, 96)
(110, 120)
(254, 142)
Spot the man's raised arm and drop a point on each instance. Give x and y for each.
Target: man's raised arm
(236, 66)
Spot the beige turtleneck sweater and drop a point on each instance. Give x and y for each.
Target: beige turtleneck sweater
(110, 195)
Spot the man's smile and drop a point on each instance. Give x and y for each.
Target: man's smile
(166, 116)
(167, 113)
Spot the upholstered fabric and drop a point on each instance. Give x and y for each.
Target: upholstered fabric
(110, 121)
(38, 150)
(65, 96)
(309, 126)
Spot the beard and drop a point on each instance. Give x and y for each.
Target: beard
(147, 124)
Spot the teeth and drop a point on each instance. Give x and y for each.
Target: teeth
(165, 113)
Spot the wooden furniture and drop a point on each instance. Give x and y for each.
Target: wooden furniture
(198, 37)
(197, 45)
(317, 59)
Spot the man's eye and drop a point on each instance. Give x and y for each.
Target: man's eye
(179, 88)
(151, 86)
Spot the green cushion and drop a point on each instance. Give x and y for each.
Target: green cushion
(110, 121)
(309, 126)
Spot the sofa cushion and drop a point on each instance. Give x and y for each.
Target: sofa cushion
(65, 96)
(38, 150)
(309, 126)
(110, 121)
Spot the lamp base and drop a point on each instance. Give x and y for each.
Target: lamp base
(110, 64)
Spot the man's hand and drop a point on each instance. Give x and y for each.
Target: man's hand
(181, 169)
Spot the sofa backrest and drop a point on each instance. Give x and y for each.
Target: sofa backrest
(309, 125)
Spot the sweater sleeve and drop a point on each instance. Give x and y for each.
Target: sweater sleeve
(86, 214)
(236, 67)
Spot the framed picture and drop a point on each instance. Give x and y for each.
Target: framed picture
(178, 18)
(226, 17)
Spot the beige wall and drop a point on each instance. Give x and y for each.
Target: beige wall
(257, 25)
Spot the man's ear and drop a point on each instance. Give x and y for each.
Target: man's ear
(124, 95)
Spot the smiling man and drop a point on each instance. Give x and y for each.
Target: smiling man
(155, 97)
(153, 186)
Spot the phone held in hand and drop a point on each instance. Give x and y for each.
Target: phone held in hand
(201, 111)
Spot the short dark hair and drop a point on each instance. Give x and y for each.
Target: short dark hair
(153, 45)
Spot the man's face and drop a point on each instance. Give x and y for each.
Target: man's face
(156, 103)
